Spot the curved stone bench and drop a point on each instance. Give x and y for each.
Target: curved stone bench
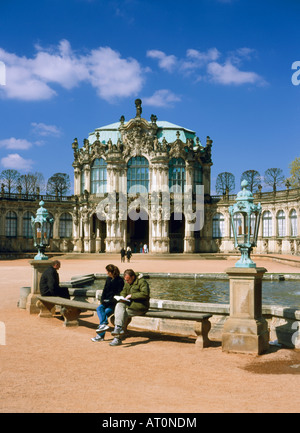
(71, 311)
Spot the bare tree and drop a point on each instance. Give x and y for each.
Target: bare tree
(31, 181)
(58, 183)
(225, 182)
(253, 178)
(10, 179)
(274, 177)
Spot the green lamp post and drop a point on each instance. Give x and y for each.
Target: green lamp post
(245, 330)
(245, 233)
(42, 226)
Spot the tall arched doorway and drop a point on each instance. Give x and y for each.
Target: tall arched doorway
(98, 234)
(176, 232)
(137, 229)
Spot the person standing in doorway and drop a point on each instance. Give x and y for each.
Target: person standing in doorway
(123, 254)
(128, 254)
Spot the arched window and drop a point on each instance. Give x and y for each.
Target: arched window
(27, 228)
(267, 224)
(138, 175)
(218, 225)
(198, 175)
(98, 176)
(293, 223)
(176, 175)
(65, 225)
(11, 220)
(238, 223)
(280, 223)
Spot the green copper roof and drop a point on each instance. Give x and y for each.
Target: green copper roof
(165, 130)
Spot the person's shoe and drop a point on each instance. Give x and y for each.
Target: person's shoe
(102, 328)
(115, 342)
(97, 338)
(117, 331)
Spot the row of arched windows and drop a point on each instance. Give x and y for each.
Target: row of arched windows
(138, 175)
(11, 225)
(218, 226)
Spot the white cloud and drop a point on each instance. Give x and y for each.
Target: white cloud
(164, 61)
(103, 68)
(113, 76)
(60, 66)
(228, 74)
(15, 143)
(204, 57)
(15, 161)
(161, 98)
(204, 66)
(45, 130)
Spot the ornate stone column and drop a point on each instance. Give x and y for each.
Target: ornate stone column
(87, 177)
(189, 238)
(77, 176)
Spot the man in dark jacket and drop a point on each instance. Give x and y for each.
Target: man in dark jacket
(135, 302)
(49, 283)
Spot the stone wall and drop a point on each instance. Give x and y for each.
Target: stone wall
(283, 322)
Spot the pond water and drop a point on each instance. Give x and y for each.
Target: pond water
(285, 293)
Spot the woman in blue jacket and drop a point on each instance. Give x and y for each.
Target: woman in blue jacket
(113, 286)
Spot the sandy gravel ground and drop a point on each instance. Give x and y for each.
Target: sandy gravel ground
(46, 367)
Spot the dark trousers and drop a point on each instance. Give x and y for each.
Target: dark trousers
(63, 292)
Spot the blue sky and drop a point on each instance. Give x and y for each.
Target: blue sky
(222, 68)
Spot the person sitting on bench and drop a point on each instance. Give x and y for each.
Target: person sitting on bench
(49, 283)
(135, 302)
(113, 286)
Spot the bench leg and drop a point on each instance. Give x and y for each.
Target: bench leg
(70, 315)
(46, 309)
(202, 329)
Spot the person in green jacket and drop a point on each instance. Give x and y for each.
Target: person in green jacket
(135, 300)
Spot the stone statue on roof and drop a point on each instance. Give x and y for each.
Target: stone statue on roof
(138, 104)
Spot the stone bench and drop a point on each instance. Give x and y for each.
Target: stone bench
(71, 310)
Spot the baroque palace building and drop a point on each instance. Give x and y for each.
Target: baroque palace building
(146, 182)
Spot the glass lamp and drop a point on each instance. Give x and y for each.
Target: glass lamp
(42, 226)
(245, 219)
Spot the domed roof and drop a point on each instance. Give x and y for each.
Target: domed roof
(165, 130)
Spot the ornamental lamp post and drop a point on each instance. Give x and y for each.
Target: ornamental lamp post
(245, 225)
(42, 226)
(245, 330)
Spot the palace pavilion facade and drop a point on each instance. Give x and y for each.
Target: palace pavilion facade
(142, 182)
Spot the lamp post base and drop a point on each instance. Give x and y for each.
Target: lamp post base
(245, 336)
(246, 330)
(38, 267)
